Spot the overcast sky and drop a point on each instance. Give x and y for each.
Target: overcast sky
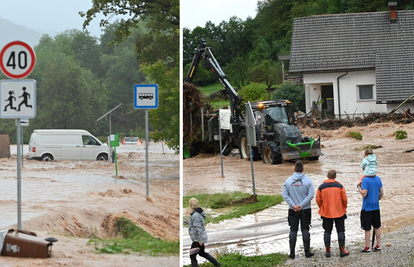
(197, 12)
(49, 16)
(55, 16)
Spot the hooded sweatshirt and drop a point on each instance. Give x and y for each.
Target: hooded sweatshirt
(298, 190)
(369, 165)
(196, 226)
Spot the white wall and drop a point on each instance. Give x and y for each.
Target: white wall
(390, 107)
(348, 91)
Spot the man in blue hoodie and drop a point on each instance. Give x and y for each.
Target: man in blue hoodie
(298, 192)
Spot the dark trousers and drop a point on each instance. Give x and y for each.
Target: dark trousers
(302, 216)
(327, 224)
(196, 248)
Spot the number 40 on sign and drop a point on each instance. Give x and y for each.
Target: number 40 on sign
(17, 60)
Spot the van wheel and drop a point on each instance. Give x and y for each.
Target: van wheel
(47, 157)
(102, 157)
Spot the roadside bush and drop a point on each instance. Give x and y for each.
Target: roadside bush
(400, 134)
(290, 91)
(355, 135)
(253, 92)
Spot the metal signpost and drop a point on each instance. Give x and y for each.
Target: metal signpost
(17, 61)
(223, 123)
(23, 123)
(251, 137)
(221, 147)
(114, 142)
(146, 97)
(109, 141)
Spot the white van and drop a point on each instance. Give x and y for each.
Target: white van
(66, 145)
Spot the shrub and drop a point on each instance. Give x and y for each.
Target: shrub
(253, 92)
(355, 135)
(400, 134)
(290, 91)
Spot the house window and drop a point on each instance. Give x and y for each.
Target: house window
(365, 92)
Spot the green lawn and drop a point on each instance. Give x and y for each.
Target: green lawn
(231, 259)
(217, 102)
(134, 239)
(212, 88)
(226, 205)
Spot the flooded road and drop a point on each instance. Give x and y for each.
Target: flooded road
(77, 200)
(267, 231)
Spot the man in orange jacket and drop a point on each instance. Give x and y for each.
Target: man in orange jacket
(332, 201)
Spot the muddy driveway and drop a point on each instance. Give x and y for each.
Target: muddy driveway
(77, 200)
(267, 231)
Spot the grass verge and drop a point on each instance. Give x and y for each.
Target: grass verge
(210, 89)
(216, 102)
(228, 207)
(134, 239)
(231, 259)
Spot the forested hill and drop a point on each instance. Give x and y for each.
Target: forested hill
(247, 49)
(79, 78)
(12, 32)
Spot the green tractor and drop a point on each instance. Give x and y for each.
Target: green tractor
(277, 137)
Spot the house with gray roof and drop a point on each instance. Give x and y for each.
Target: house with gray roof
(356, 63)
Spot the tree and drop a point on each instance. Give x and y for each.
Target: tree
(263, 67)
(157, 51)
(291, 91)
(237, 71)
(163, 14)
(68, 95)
(165, 121)
(268, 72)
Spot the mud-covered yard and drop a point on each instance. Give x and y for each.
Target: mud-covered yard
(74, 201)
(267, 231)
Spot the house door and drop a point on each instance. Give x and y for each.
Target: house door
(327, 96)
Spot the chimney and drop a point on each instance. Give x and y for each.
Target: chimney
(393, 11)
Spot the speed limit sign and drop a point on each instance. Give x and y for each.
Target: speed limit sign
(17, 60)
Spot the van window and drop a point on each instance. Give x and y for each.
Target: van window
(89, 140)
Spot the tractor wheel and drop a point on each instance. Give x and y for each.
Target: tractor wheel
(272, 154)
(228, 149)
(244, 147)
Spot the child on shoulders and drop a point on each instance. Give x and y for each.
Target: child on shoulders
(369, 165)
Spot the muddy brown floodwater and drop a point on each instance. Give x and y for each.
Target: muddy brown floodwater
(267, 231)
(76, 200)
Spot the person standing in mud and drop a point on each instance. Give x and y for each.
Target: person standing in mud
(25, 96)
(198, 234)
(332, 202)
(10, 99)
(371, 191)
(298, 192)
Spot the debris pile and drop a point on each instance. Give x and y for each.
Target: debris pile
(335, 123)
(192, 105)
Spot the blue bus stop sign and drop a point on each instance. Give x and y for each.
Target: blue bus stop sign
(146, 96)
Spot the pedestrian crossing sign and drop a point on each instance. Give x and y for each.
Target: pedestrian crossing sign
(17, 99)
